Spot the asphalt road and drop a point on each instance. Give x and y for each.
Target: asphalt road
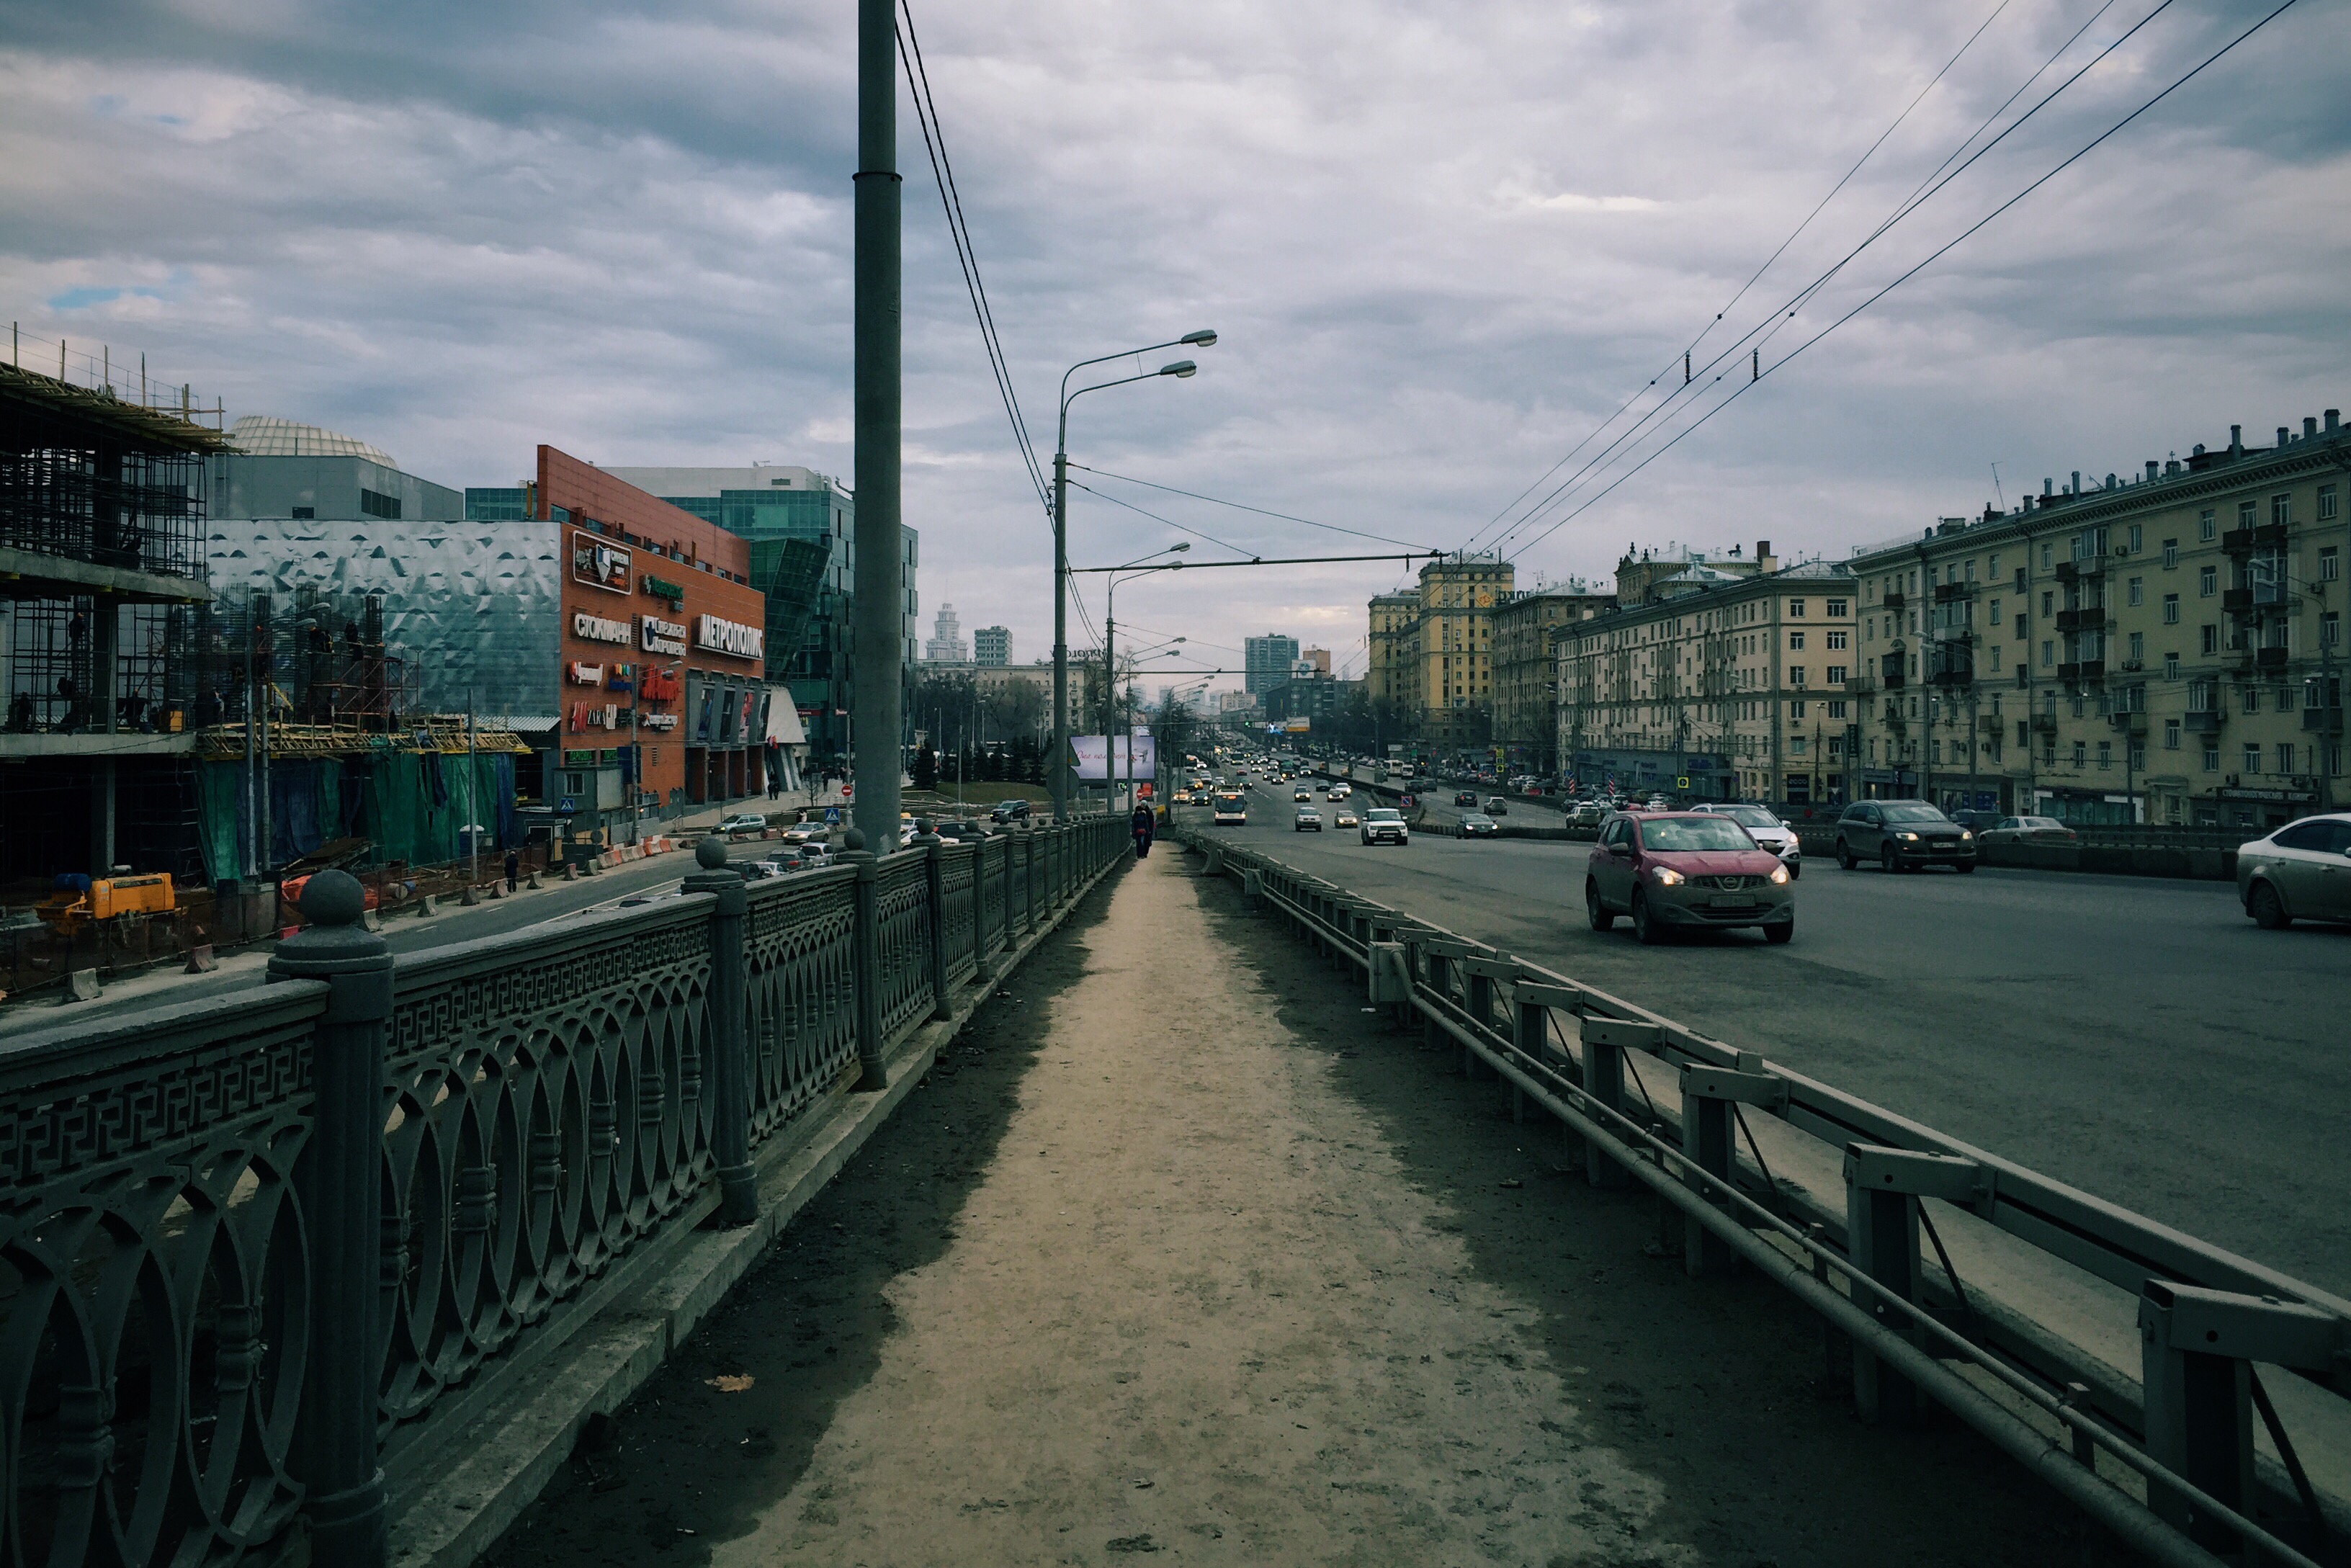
(2134, 1037)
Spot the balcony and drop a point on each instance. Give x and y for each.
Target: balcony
(2323, 720)
(1860, 687)
(2133, 723)
(2089, 620)
(2043, 722)
(2204, 721)
(1894, 601)
(1958, 676)
(2268, 534)
(2237, 541)
(2089, 673)
(2237, 601)
(1988, 725)
(2085, 570)
(2269, 659)
(1945, 592)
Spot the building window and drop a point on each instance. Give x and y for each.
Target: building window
(2171, 554)
(1836, 710)
(2208, 581)
(2330, 563)
(2171, 610)
(2137, 590)
(1795, 609)
(2250, 698)
(2048, 604)
(2326, 503)
(2021, 634)
(2045, 555)
(2137, 538)
(2171, 666)
(1837, 609)
(2285, 756)
(2208, 527)
(2081, 754)
(1796, 639)
(2330, 629)
(2252, 757)
(1995, 660)
(2106, 754)
(1795, 675)
(1837, 641)
(2137, 750)
(2281, 510)
(376, 504)
(2139, 647)
(2171, 735)
(2048, 653)
(1833, 674)
(2212, 757)
(2210, 639)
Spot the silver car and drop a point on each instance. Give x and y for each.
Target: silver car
(1765, 828)
(2301, 871)
(1309, 820)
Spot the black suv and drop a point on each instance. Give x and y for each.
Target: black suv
(1009, 812)
(1902, 835)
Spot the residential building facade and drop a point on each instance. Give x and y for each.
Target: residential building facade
(1455, 647)
(1714, 686)
(2162, 649)
(1526, 668)
(1392, 664)
(991, 647)
(1266, 662)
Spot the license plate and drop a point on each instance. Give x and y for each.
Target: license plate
(1730, 902)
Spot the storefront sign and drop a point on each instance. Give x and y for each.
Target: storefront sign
(657, 720)
(597, 562)
(729, 637)
(659, 636)
(597, 629)
(2277, 797)
(586, 675)
(661, 587)
(659, 686)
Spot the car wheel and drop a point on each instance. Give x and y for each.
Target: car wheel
(1795, 871)
(1784, 931)
(1965, 866)
(1845, 857)
(1890, 858)
(1602, 919)
(1645, 929)
(2267, 908)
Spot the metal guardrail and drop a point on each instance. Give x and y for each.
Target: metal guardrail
(2206, 1315)
(265, 1253)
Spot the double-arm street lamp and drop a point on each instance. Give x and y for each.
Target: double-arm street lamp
(1179, 369)
(1141, 566)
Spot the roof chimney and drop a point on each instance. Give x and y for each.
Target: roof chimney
(2048, 487)
(1766, 562)
(2334, 419)
(2075, 487)
(2309, 427)
(2282, 437)
(2151, 470)
(2236, 440)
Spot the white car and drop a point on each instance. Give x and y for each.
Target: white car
(1767, 830)
(1384, 825)
(744, 823)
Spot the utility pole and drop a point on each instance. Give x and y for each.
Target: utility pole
(877, 699)
(1059, 778)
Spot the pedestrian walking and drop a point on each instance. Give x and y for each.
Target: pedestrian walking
(1143, 827)
(514, 870)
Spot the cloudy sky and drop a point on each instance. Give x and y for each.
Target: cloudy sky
(1442, 244)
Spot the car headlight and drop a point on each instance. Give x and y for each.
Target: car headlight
(1966, 836)
(1907, 838)
(1666, 876)
(1780, 875)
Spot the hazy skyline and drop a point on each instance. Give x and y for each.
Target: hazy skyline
(1440, 247)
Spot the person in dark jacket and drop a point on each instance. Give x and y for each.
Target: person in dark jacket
(514, 870)
(1142, 826)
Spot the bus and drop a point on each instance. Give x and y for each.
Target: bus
(1231, 808)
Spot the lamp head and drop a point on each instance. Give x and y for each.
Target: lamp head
(1203, 338)
(1180, 370)
(1178, 549)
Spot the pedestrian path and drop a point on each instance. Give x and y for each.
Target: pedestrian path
(1192, 1307)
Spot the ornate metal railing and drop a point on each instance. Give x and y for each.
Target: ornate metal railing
(261, 1252)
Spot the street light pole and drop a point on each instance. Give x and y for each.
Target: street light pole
(1182, 367)
(878, 700)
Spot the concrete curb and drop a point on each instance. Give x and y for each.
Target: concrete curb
(505, 1456)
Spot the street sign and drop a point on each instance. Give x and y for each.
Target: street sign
(832, 816)
(1681, 783)
(565, 808)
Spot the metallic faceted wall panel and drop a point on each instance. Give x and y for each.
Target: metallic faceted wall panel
(473, 605)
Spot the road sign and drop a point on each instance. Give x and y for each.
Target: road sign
(832, 816)
(1681, 783)
(565, 807)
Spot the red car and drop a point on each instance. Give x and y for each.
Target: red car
(1682, 870)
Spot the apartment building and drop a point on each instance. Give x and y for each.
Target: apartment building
(2163, 648)
(1392, 667)
(1526, 667)
(1715, 686)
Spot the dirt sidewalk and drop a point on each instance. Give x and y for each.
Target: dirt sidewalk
(1180, 1255)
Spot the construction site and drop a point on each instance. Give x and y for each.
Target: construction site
(169, 756)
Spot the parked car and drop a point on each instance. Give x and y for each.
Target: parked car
(744, 823)
(1009, 812)
(1765, 828)
(2301, 871)
(1345, 819)
(2026, 831)
(1902, 835)
(1496, 806)
(1308, 821)
(1384, 825)
(1478, 825)
(1683, 870)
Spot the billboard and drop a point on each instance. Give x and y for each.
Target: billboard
(595, 561)
(1136, 760)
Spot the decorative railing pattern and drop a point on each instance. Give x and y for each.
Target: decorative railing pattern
(348, 1204)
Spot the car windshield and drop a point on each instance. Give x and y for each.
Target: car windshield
(1693, 835)
(2038, 823)
(1749, 816)
(1914, 814)
(1383, 814)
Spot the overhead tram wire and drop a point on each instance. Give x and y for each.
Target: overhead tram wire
(1244, 507)
(1113, 500)
(926, 116)
(1733, 302)
(1762, 331)
(2076, 157)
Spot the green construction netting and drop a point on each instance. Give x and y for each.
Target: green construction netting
(411, 805)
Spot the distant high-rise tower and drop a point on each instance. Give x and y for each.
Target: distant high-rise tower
(992, 646)
(946, 644)
(1266, 661)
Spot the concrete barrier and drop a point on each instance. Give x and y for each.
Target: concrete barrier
(201, 960)
(81, 986)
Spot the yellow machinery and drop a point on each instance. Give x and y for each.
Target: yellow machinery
(79, 901)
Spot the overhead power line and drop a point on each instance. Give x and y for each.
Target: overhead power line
(1946, 249)
(1243, 506)
(1764, 330)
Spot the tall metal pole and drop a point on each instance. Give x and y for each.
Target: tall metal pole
(1060, 778)
(877, 700)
